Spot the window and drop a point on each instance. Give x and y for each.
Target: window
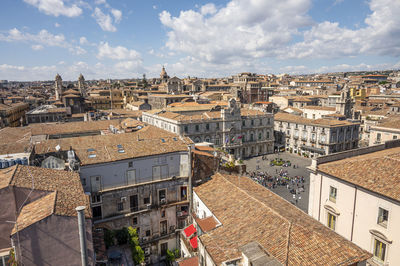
(164, 248)
(148, 232)
(207, 126)
(96, 211)
(331, 221)
(217, 124)
(162, 213)
(259, 136)
(379, 250)
(197, 127)
(267, 134)
(83, 181)
(243, 123)
(183, 193)
(120, 148)
(134, 221)
(146, 200)
(134, 203)
(130, 164)
(131, 177)
(252, 122)
(394, 137)
(96, 198)
(4, 260)
(332, 194)
(383, 216)
(186, 129)
(378, 137)
(162, 196)
(251, 137)
(163, 228)
(120, 206)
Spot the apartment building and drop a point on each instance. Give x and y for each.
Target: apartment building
(13, 114)
(356, 194)
(314, 137)
(241, 132)
(38, 219)
(158, 101)
(385, 130)
(239, 222)
(136, 179)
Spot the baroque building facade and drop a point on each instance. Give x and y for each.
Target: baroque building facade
(239, 131)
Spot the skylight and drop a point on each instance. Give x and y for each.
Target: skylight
(92, 155)
(120, 148)
(175, 139)
(163, 140)
(91, 150)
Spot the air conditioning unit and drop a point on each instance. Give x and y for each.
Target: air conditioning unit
(147, 251)
(148, 206)
(163, 201)
(145, 238)
(123, 199)
(172, 228)
(147, 260)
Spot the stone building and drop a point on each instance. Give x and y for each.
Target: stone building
(241, 132)
(314, 137)
(13, 114)
(139, 179)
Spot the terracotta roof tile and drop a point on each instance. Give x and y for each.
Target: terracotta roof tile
(249, 212)
(35, 211)
(69, 189)
(377, 171)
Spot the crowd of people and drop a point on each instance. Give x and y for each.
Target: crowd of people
(281, 177)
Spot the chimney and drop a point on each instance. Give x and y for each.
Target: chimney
(82, 234)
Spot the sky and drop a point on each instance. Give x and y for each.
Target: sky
(128, 38)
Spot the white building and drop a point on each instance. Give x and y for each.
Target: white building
(357, 194)
(314, 137)
(241, 132)
(236, 218)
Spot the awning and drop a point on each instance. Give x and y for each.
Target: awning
(190, 230)
(193, 242)
(313, 149)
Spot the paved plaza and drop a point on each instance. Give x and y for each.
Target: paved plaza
(256, 163)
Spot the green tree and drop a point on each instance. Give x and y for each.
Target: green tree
(172, 255)
(137, 251)
(122, 236)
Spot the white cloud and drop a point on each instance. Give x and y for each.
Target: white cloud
(55, 8)
(40, 40)
(117, 15)
(380, 36)
(77, 50)
(242, 30)
(57, 25)
(83, 40)
(104, 20)
(117, 53)
(37, 47)
(44, 38)
(208, 9)
(71, 71)
(154, 7)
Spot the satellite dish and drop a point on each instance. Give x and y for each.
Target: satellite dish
(58, 147)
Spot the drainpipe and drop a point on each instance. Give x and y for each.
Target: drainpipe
(354, 214)
(82, 234)
(190, 194)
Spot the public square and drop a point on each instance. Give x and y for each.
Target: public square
(301, 164)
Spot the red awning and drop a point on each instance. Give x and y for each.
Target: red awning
(190, 230)
(193, 242)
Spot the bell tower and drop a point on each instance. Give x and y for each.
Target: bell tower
(58, 87)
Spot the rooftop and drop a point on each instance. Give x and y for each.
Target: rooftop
(114, 147)
(249, 212)
(306, 121)
(377, 171)
(63, 192)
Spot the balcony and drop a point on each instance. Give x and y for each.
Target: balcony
(181, 214)
(304, 138)
(296, 137)
(313, 140)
